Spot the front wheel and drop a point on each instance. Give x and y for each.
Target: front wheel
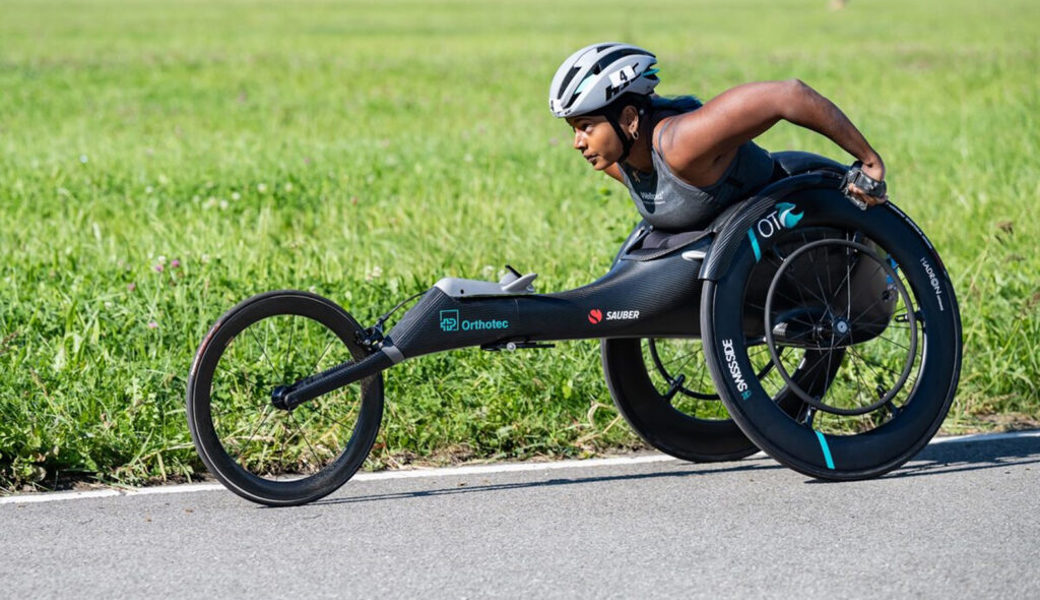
(263, 453)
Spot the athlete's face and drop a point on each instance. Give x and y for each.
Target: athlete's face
(596, 139)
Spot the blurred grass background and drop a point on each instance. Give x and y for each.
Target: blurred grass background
(160, 161)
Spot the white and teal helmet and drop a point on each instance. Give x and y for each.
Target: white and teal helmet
(597, 75)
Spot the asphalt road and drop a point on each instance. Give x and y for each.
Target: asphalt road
(960, 521)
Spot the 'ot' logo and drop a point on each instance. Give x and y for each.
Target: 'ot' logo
(595, 316)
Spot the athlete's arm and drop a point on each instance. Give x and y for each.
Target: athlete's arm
(699, 145)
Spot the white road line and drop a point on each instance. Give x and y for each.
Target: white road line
(382, 475)
(989, 437)
(514, 467)
(442, 472)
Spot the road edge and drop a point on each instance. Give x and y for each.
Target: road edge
(503, 467)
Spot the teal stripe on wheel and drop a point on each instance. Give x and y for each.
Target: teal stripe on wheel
(826, 450)
(754, 245)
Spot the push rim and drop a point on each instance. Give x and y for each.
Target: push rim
(833, 324)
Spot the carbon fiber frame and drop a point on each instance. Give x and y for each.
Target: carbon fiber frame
(657, 298)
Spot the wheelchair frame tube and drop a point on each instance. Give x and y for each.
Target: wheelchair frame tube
(657, 298)
(654, 298)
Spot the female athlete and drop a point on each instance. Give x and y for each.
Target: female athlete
(684, 162)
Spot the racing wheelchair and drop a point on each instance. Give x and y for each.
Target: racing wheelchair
(826, 335)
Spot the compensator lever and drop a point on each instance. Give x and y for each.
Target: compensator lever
(515, 283)
(511, 283)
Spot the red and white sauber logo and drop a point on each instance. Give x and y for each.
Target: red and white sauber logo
(596, 315)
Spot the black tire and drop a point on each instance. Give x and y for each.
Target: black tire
(691, 423)
(663, 389)
(262, 453)
(889, 385)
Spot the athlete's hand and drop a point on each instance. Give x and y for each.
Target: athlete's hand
(875, 169)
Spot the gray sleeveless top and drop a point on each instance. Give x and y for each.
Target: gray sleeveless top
(669, 203)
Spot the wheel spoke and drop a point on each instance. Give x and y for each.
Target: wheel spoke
(800, 286)
(816, 274)
(263, 348)
(874, 364)
(268, 411)
(321, 357)
(303, 436)
(287, 360)
(848, 289)
(893, 342)
(866, 310)
(687, 357)
(320, 407)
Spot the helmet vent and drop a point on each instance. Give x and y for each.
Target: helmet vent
(608, 59)
(570, 75)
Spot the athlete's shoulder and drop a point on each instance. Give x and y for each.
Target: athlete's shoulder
(676, 104)
(666, 111)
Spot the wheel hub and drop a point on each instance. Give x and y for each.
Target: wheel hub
(830, 332)
(278, 397)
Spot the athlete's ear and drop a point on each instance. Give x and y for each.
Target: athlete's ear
(630, 119)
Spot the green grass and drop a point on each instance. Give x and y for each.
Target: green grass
(364, 150)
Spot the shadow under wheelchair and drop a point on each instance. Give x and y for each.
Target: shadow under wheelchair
(972, 453)
(755, 463)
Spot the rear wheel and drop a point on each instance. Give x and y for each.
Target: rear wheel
(663, 389)
(264, 453)
(870, 311)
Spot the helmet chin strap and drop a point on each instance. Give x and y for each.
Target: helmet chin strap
(612, 113)
(626, 141)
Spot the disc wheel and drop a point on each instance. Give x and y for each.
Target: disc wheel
(266, 454)
(870, 311)
(663, 390)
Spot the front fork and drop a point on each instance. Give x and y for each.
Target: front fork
(291, 396)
